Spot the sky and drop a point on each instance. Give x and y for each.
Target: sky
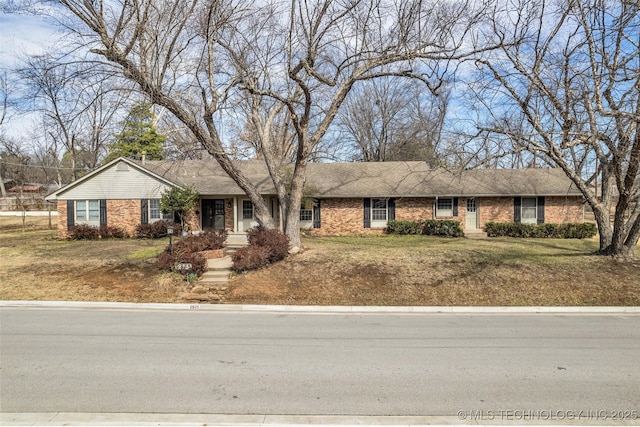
(21, 34)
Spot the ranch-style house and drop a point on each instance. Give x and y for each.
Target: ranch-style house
(339, 199)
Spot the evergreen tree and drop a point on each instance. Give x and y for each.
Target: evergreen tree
(138, 136)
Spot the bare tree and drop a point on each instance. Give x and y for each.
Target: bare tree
(194, 57)
(4, 104)
(566, 89)
(78, 110)
(394, 119)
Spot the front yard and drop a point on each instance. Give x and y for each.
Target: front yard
(385, 270)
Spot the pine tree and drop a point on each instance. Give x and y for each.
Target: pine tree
(138, 136)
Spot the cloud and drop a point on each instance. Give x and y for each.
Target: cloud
(22, 35)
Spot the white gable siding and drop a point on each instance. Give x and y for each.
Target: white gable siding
(117, 183)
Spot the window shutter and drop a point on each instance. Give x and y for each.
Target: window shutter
(367, 213)
(540, 210)
(71, 215)
(517, 209)
(316, 215)
(455, 206)
(144, 211)
(392, 210)
(103, 212)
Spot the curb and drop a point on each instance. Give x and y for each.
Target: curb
(634, 310)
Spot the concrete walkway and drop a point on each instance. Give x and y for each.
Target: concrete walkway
(212, 286)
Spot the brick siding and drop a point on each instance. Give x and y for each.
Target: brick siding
(125, 214)
(344, 216)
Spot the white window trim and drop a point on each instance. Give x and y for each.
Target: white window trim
(252, 210)
(379, 223)
(86, 211)
(163, 217)
(444, 213)
(534, 219)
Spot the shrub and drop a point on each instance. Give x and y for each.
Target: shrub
(155, 230)
(203, 242)
(265, 247)
(443, 228)
(557, 231)
(274, 240)
(167, 261)
(250, 258)
(110, 231)
(404, 227)
(84, 232)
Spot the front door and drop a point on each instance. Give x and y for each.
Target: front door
(213, 214)
(472, 214)
(246, 215)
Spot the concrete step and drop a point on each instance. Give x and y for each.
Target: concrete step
(215, 274)
(223, 263)
(475, 234)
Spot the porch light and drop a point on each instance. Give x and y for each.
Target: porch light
(170, 234)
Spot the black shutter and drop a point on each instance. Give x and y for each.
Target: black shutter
(71, 215)
(392, 210)
(455, 206)
(144, 211)
(517, 209)
(316, 215)
(540, 210)
(103, 212)
(367, 213)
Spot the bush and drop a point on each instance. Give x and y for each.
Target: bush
(443, 228)
(404, 227)
(274, 240)
(167, 261)
(556, 231)
(110, 231)
(203, 242)
(265, 247)
(156, 230)
(84, 232)
(250, 258)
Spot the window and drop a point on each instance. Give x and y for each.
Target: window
(154, 209)
(529, 210)
(444, 207)
(306, 214)
(379, 210)
(88, 211)
(247, 209)
(155, 213)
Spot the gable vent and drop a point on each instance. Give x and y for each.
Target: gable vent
(122, 166)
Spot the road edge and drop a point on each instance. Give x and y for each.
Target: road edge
(635, 310)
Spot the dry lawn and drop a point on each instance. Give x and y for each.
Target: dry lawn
(416, 270)
(35, 265)
(383, 270)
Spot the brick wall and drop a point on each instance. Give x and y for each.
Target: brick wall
(228, 215)
(125, 214)
(563, 209)
(342, 216)
(414, 209)
(494, 209)
(62, 219)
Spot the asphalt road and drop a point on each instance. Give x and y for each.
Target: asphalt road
(345, 364)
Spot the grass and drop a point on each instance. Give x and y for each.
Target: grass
(372, 270)
(421, 270)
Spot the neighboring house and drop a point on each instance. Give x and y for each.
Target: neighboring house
(340, 198)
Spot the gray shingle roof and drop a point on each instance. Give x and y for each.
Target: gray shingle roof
(386, 179)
